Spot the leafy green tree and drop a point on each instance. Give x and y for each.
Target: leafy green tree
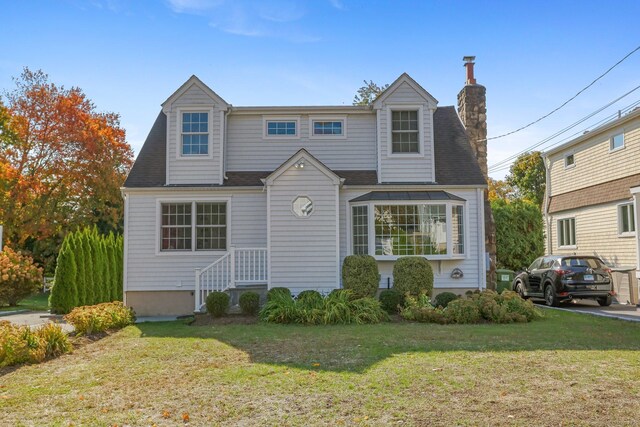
(368, 93)
(527, 177)
(519, 233)
(64, 295)
(499, 189)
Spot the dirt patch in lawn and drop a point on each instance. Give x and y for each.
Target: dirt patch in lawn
(230, 319)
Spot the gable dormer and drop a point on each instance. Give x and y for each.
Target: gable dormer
(195, 134)
(405, 132)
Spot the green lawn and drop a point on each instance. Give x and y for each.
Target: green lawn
(567, 369)
(36, 302)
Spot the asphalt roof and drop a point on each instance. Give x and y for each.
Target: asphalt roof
(454, 159)
(406, 195)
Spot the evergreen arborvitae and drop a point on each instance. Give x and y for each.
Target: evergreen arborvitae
(81, 279)
(120, 267)
(113, 268)
(106, 265)
(98, 267)
(63, 296)
(89, 266)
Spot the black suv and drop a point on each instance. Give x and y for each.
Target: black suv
(562, 278)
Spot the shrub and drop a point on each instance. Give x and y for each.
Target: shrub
(443, 299)
(280, 307)
(419, 309)
(310, 297)
(250, 303)
(92, 319)
(277, 290)
(217, 303)
(367, 310)
(518, 305)
(360, 275)
(336, 307)
(21, 344)
(19, 277)
(413, 275)
(64, 293)
(391, 300)
(463, 311)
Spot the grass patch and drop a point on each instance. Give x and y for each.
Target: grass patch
(398, 373)
(36, 302)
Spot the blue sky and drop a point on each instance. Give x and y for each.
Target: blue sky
(129, 56)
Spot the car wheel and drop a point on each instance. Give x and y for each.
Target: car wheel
(604, 301)
(550, 296)
(520, 290)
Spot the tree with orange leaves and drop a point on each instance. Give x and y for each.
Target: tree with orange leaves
(61, 164)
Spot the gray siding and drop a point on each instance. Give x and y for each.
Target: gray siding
(413, 168)
(303, 250)
(247, 150)
(148, 270)
(193, 170)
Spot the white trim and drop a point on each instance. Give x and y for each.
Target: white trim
(266, 119)
(192, 251)
(194, 109)
(404, 78)
(342, 119)
(565, 157)
(621, 233)
(432, 146)
(125, 251)
(482, 251)
(268, 237)
(337, 189)
(302, 154)
(222, 129)
(167, 163)
(379, 145)
(636, 195)
(313, 210)
(559, 233)
(193, 80)
(622, 147)
(421, 145)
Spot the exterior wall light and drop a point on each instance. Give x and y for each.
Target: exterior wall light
(299, 165)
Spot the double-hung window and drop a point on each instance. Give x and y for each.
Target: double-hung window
(195, 134)
(567, 232)
(405, 133)
(204, 222)
(626, 219)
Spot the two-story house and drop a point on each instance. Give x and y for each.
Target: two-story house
(591, 207)
(225, 196)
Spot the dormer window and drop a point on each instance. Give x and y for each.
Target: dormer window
(405, 133)
(195, 134)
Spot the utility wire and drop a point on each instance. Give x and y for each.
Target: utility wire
(506, 161)
(568, 100)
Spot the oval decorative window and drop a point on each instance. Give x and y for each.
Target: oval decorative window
(302, 206)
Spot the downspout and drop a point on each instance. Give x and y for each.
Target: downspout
(547, 196)
(225, 145)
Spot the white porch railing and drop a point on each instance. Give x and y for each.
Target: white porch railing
(238, 266)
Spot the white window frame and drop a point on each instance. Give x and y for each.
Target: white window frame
(179, 112)
(575, 232)
(267, 119)
(372, 232)
(421, 142)
(566, 157)
(620, 207)
(342, 119)
(611, 148)
(313, 210)
(192, 252)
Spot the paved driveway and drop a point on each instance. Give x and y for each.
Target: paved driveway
(36, 319)
(618, 311)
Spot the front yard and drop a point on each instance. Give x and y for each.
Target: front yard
(565, 369)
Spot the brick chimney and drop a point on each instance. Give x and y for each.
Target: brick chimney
(472, 109)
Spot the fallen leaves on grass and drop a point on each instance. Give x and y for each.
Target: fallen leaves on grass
(166, 414)
(185, 417)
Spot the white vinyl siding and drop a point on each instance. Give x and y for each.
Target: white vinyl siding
(193, 169)
(150, 269)
(248, 150)
(567, 232)
(303, 249)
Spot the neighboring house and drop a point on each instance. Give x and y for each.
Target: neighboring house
(223, 196)
(590, 206)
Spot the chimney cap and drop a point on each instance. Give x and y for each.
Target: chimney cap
(468, 59)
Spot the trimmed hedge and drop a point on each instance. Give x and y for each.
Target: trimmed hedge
(443, 299)
(391, 300)
(217, 303)
(250, 303)
(360, 275)
(91, 319)
(413, 275)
